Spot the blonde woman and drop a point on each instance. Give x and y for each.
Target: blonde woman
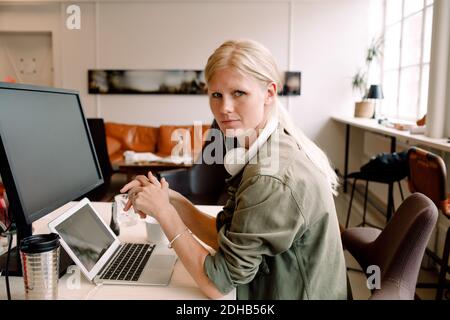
(278, 235)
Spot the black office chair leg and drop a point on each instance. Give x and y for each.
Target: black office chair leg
(401, 190)
(365, 203)
(393, 203)
(390, 206)
(444, 267)
(350, 205)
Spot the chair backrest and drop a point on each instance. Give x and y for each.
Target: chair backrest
(400, 247)
(203, 183)
(97, 129)
(428, 175)
(387, 166)
(209, 178)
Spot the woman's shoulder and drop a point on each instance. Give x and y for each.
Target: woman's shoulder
(280, 158)
(283, 160)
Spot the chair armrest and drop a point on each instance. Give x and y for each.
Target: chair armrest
(357, 242)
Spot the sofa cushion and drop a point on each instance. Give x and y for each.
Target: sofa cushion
(145, 139)
(165, 143)
(113, 145)
(133, 137)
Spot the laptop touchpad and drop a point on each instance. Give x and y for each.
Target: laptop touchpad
(161, 261)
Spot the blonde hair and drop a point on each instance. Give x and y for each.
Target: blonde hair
(253, 59)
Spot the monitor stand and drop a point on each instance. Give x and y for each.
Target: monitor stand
(15, 266)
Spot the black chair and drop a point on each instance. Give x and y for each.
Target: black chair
(386, 168)
(103, 192)
(202, 184)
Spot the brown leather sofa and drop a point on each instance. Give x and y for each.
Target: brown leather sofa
(122, 137)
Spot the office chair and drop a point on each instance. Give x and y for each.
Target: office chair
(386, 168)
(103, 192)
(427, 175)
(397, 250)
(202, 184)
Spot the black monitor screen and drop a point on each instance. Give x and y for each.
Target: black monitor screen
(48, 147)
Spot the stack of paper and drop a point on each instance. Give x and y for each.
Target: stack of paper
(134, 157)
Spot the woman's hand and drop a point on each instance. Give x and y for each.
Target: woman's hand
(148, 196)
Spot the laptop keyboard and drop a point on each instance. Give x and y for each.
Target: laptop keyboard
(129, 263)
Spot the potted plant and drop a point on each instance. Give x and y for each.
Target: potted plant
(366, 108)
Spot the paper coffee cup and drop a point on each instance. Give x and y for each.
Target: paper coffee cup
(155, 234)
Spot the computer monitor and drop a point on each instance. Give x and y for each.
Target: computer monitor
(47, 157)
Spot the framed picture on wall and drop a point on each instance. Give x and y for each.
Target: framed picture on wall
(291, 84)
(146, 81)
(167, 82)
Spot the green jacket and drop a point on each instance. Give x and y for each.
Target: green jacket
(278, 233)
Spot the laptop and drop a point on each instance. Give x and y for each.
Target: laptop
(102, 257)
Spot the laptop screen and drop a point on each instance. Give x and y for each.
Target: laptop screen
(86, 235)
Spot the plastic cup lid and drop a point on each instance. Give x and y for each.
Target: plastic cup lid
(39, 243)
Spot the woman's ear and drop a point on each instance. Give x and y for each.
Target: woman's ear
(271, 93)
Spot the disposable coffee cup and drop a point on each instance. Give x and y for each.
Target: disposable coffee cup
(155, 234)
(40, 266)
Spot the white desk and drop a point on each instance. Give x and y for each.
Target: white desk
(373, 126)
(181, 287)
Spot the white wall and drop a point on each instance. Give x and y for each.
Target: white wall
(328, 45)
(324, 39)
(176, 36)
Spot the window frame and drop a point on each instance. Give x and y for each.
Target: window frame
(399, 68)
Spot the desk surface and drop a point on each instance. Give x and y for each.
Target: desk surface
(151, 164)
(71, 287)
(372, 125)
(143, 167)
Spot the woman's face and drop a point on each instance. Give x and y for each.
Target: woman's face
(239, 102)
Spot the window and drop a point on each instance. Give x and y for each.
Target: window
(406, 59)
